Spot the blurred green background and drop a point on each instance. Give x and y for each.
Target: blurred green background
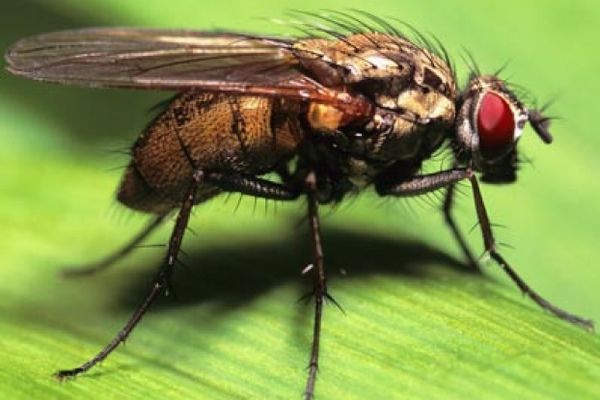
(415, 327)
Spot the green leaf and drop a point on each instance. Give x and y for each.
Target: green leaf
(416, 325)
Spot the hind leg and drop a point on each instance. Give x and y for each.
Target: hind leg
(113, 258)
(244, 184)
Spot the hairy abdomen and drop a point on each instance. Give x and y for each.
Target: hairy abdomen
(211, 132)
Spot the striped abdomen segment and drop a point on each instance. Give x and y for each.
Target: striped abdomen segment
(212, 132)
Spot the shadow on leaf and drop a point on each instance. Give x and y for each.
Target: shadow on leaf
(236, 274)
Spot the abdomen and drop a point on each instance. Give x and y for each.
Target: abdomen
(211, 132)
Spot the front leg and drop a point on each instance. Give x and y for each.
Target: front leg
(490, 246)
(421, 184)
(458, 236)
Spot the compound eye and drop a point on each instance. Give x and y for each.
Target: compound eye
(495, 125)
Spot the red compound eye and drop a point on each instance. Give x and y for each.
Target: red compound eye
(495, 124)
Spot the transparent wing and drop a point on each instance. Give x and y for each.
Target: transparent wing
(153, 59)
(172, 60)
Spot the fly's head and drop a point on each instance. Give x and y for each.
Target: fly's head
(489, 124)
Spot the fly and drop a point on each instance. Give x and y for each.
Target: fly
(339, 110)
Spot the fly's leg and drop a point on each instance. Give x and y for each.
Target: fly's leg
(427, 183)
(244, 184)
(422, 184)
(111, 259)
(251, 185)
(267, 189)
(160, 283)
(320, 289)
(458, 236)
(228, 182)
(490, 246)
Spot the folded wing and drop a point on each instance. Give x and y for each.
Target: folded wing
(155, 59)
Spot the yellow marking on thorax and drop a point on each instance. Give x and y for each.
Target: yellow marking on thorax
(324, 117)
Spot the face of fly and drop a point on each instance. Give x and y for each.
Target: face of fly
(490, 122)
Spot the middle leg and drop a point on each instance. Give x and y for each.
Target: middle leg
(320, 289)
